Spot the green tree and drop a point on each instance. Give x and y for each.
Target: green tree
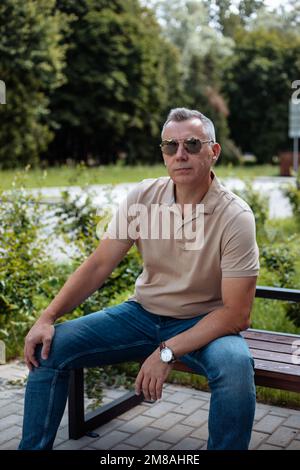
(229, 16)
(203, 51)
(31, 62)
(118, 83)
(257, 83)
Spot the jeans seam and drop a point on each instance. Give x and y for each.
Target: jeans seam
(51, 401)
(98, 350)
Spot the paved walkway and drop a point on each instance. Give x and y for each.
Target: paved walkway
(178, 421)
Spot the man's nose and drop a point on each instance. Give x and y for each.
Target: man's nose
(181, 153)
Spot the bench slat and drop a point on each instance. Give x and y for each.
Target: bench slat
(278, 368)
(270, 337)
(273, 356)
(268, 346)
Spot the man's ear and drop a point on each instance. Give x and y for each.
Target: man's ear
(217, 151)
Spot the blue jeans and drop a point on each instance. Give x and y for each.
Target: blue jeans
(124, 333)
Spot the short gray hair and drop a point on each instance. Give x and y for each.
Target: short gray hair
(183, 114)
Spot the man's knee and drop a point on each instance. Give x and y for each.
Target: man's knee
(56, 354)
(231, 360)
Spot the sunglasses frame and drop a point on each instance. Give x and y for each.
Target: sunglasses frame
(185, 141)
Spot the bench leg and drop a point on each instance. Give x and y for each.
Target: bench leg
(79, 424)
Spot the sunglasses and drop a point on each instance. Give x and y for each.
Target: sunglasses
(191, 145)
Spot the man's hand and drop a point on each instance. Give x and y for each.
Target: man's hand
(42, 332)
(152, 376)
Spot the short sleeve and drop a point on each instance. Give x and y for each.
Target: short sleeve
(240, 254)
(117, 228)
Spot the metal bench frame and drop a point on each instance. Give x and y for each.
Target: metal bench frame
(273, 368)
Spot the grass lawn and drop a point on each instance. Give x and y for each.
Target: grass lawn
(113, 174)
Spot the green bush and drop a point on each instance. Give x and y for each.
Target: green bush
(293, 195)
(259, 206)
(29, 278)
(279, 260)
(26, 273)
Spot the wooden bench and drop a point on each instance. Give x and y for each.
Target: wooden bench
(274, 367)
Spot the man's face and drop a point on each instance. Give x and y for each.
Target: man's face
(183, 167)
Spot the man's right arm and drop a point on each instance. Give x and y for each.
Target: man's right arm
(81, 284)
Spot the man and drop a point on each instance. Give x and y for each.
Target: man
(190, 302)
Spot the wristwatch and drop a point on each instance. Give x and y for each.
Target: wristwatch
(166, 354)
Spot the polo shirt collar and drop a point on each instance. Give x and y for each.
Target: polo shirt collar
(209, 200)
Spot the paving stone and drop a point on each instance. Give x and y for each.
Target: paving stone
(293, 421)
(63, 433)
(279, 411)
(282, 436)
(167, 421)
(108, 427)
(176, 433)
(189, 406)
(109, 440)
(256, 439)
(21, 403)
(8, 394)
(12, 408)
(58, 441)
(9, 421)
(260, 412)
(294, 445)
(188, 443)
(179, 397)
(141, 438)
(75, 444)
(10, 433)
(176, 388)
(268, 424)
(265, 446)
(12, 444)
(201, 433)
(160, 409)
(65, 420)
(123, 446)
(136, 424)
(4, 403)
(139, 409)
(157, 445)
(202, 395)
(206, 406)
(204, 446)
(197, 418)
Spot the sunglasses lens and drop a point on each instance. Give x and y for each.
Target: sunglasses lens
(169, 148)
(192, 145)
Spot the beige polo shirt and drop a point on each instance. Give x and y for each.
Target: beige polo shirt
(184, 260)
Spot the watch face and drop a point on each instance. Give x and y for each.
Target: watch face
(166, 355)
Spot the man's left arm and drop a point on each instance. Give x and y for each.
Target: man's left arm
(231, 318)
